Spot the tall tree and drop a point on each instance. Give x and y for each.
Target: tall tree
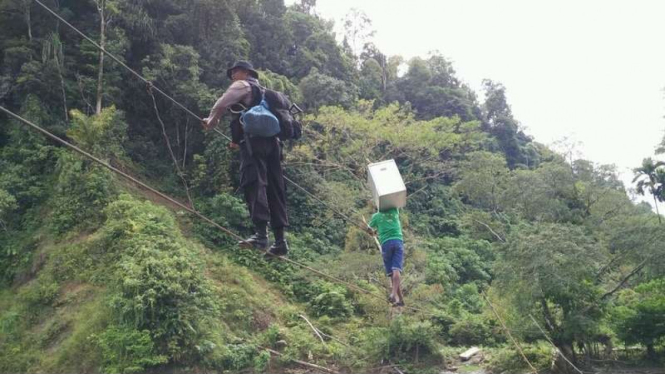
(358, 30)
(313, 45)
(372, 53)
(319, 89)
(651, 177)
(661, 147)
(306, 6)
(639, 315)
(499, 118)
(431, 87)
(549, 270)
(7, 206)
(105, 17)
(483, 180)
(268, 36)
(372, 80)
(23, 8)
(52, 51)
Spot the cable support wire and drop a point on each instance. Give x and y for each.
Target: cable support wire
(176, 102)
(178, 203)
(554, 345)
(508, 332)
(193, 211)
(151, 86)
(189, 209)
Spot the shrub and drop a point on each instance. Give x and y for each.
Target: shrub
(443, 321)
(82, 191)
(302, 344)
(509, 360)
(126, 350)
(238, 356)
(158, 283)
(39, 294)
(472, 329)
(272, 335)
(328, 299)
(638, 317)
(7, 206)
(261, 361)
(226, 210)
(102, 135)
(9, 324)
(404, 339)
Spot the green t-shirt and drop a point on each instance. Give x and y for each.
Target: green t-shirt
(387, 224)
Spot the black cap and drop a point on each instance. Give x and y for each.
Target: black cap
(243, 65)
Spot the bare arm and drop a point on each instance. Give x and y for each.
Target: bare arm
(238, 92)
(371, 226)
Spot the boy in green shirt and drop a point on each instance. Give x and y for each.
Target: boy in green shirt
(387, 224)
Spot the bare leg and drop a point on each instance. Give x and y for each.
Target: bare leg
(396, 289)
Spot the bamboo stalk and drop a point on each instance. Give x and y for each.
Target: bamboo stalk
(303, 363)
(313, 329)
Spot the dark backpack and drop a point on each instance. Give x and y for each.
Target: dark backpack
(280, 105)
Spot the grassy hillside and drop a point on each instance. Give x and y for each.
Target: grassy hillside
(99, 275)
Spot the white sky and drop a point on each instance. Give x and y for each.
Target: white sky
(592, 70)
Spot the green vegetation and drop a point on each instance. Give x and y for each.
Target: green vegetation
(97, 275)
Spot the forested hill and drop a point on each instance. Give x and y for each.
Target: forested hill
(100, 275)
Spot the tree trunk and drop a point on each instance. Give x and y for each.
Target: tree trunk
(64, 94)
(384, 74)
(184, 153)
(651, 352)
(102, 42)
(655, 201)
(60, 60)
(560, 365)
(57, 22)
(549, 321)
(26, 15)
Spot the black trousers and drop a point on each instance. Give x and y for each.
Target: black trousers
(262, 179)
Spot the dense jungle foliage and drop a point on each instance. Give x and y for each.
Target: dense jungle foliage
(98, 275)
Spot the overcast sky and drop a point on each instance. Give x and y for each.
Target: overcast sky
(591, 70)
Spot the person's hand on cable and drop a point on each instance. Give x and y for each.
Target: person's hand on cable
(206, 124)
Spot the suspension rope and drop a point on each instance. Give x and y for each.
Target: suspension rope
(153, 87)
(189, 209)
(193, 211)
(507, 331)
(311, 195)
(284, 259)
(554, 345)
(168, 145)
(176, 102)
(137, 75)
(120, 172)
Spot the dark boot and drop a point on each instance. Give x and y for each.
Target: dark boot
(259, 240)
(279, 248)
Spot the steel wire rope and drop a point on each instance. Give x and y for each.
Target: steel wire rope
(166, 197)
(191, 210)
(183, 107)
(153, 87)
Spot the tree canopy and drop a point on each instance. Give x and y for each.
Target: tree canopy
(100, 275)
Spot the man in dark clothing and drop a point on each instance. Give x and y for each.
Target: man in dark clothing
(261, 174)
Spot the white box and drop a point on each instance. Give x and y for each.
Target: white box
(385, 181)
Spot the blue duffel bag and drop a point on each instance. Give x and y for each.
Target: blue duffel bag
(259, 121)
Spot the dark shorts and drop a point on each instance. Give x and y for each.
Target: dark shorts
(393, 255)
